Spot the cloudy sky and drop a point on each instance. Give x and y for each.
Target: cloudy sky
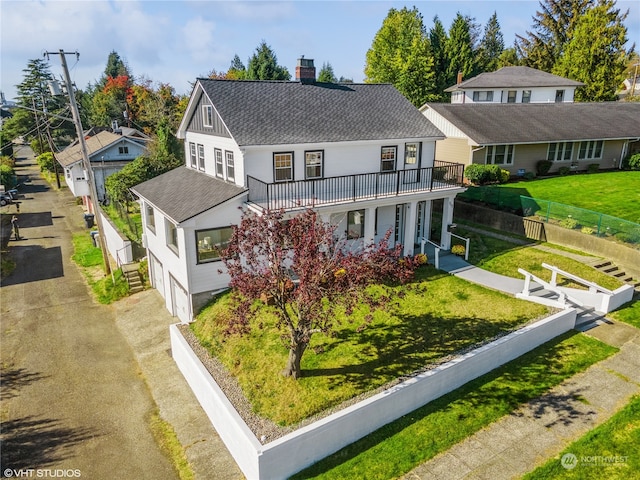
(174, 41)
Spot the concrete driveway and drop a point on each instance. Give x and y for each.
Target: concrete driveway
(72, 396)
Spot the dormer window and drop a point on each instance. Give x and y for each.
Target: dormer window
(207, 115)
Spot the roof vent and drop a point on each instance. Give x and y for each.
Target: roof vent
(305, 70)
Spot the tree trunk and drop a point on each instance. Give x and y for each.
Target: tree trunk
(293, 363)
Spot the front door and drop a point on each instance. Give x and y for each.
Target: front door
(435, 233)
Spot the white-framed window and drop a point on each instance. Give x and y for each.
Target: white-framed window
(411, 151)
(68, 172)
(314, 164)
(355, 224)
(591, 150)
(526, 96)
(283, 166)
(231, 168)
(201, 157)
(483, 96)
(559, 96)
(207, 115)
(123, 150)
(210, 243)
(559, 152)
(172, 236)
(388, 159)
(192, 154)
(219, 163)
(511, 96)
(499, 154)
(150, 218)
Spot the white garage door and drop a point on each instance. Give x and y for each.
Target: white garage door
(180, 301)
(156, 275)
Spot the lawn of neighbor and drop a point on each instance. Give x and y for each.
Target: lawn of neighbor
(612, 193)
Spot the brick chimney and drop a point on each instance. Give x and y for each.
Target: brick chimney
(459, 78)
(305, 70)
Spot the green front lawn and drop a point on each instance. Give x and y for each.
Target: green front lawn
(400, 446)
(617, 440)
(612, 193)
(438, 315)
(630, 313)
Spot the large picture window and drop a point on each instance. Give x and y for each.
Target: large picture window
(192, 154)
(355, 224)
(591, 150)
(210, 243)
(558, 152)
(499, 154)
(283, 166)
(219, 164)
(388, 159)
(207, 115)
(201, 157)
(483, 96)
(231, 167)
(313, 164)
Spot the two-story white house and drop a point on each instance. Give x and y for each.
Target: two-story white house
(514, 85)
(360, 154)
(108, 153)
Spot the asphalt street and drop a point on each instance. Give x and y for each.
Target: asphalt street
(73, 400)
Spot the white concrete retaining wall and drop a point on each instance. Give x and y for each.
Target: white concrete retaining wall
(118, 245)
(620, 296)
(289, 454)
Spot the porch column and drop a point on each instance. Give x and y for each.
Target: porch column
(411, 212)
(447, 219)
(369, 226)
(426, 229)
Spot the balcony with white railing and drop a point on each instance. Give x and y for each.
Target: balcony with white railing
(354, 188)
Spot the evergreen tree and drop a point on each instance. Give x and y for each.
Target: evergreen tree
(508, 58)
(553, 27)
(401, 55)
(326, 74)
(438, 40)
(237, 70)
(491, 46)
(263, 65)
(595, 55)
(459, 50)
(116, 67)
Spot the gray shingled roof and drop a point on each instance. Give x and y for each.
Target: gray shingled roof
(183, 193)
(73, 153)
(516, 77)
(275, 113)
(499, 123)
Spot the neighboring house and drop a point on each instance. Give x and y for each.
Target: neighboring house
(361, 155)
(514, 85)
(517, 136)
(108, 153)
(630, 88)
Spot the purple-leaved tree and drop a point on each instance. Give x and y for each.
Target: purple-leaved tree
(306, 272)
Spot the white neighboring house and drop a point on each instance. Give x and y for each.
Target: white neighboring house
(360, 154)
(108, 153)
(514, 85)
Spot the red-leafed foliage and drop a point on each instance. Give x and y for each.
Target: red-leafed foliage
(307, 272)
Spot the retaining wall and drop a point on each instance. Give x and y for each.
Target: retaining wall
(118, 245)
(287, 455)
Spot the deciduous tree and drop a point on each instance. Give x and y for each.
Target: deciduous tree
(307, 272)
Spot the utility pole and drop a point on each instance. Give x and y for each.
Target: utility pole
(85, 155)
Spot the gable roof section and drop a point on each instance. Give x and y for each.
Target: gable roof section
(183, 193)
(514, 77)
(501, 123)
(95, 143)
(277, 113)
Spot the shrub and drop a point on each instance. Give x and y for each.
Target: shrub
(39, 147)
(483, 174)
(7, 160)
(564, 171)
(529, 176)
(632, 162)
(458, 250)
(7, 176)
(45, 161)
(420, 259)
(587, 230)
(593, 168)
(569, 222)
(543, 167)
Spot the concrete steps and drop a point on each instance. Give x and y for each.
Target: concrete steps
(613, 270)
(132, 275)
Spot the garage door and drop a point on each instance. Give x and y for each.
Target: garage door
(180, 301)
(157, 277)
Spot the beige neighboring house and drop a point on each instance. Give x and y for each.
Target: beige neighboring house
(518, 136)
(514, 85)
(108, 153)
